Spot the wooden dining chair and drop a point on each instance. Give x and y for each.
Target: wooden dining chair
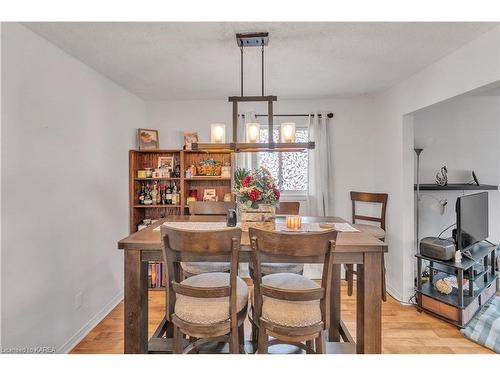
(209, 306)
(284, 208)
(206, 208)
(378, 232)
(289, 307)
(288, 208)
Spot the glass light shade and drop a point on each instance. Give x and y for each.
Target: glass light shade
(288, 132)
(252, 132)
(218, 133)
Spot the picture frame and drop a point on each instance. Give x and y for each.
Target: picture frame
(166, 162)
(209, 195)
(148, 139)
(189, 139)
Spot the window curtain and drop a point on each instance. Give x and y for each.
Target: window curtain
(319, 189)
(243, 159)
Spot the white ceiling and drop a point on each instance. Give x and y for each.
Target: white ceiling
(168, 61)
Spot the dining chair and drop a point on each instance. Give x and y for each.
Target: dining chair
(291, 308)
(284, 208)
(210, 306)
(206, 208)
(378, 232)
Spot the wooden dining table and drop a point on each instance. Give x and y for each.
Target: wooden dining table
(358, 248)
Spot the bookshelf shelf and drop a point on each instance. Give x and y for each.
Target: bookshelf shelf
(208, 178)
(158, 179)
(158, 206)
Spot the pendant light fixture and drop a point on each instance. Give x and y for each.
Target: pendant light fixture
(251, 144)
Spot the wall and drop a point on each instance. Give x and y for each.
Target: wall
(64, 191)
(348, 130)
(474, 65)
(462, 134)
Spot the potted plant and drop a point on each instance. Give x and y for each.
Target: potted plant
(257, 196)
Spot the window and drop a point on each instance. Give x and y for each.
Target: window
(290, 169)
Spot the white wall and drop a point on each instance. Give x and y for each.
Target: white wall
(66, 131)
(474, 65)
(349, 129)
(462, 134)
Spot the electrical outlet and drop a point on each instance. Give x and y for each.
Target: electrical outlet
(78, 300)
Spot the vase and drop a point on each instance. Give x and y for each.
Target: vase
(263, 217)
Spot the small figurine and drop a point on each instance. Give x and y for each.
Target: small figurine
(442, 177)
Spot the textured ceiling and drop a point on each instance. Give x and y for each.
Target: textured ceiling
(303, 60)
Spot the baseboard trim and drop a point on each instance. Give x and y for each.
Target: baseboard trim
(90, 325)
(394, 294)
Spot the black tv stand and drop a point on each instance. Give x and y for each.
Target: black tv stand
(458, 307)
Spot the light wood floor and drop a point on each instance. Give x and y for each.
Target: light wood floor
(404, 330)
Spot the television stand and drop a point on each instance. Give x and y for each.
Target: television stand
(460, 306)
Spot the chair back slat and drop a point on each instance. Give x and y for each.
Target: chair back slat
(357, 196)
(201, 241)
(288, 208)
(295, 244)
(292, 295)
(200, 292)
(210, 208)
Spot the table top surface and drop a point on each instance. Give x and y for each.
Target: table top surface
(150, 239)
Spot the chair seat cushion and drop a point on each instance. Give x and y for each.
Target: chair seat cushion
(270, 268)
(196, 268)
(209, 310)
(370, 229)
(290, 313)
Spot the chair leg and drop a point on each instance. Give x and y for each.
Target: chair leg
(234, 344)
(349, 275)
(310, 346)
(241, 337)
(384, 292)
(262, 341)
(178, 339)
(320, 343)
(255, 336)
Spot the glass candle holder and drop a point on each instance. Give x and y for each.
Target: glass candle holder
(288, 132)
(252, 132)
(217, 133)
(293, 222)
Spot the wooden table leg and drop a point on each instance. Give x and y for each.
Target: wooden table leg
(334, 333)
(136, 303)
(369, 305)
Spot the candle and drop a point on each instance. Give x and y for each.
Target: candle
(288, 132)
(217, 133)
(293, 222)
(253, 129)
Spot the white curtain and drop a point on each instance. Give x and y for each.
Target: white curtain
(320, 167)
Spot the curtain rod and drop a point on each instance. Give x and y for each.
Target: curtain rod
(329, 115)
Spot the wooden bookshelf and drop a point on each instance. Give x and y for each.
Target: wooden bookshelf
(149, 159)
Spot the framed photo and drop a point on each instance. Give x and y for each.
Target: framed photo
(148, 139)
(189, 139)
(209, 195)
(166, 162)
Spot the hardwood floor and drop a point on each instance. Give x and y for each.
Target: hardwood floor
(404, 330)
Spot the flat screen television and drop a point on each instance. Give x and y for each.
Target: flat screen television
(472, 219)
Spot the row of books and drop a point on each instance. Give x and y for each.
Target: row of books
(156, 275)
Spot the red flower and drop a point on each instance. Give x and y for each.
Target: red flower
(276, 193)
(246, 181)
(254, 195)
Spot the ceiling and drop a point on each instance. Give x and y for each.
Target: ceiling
(182, 61)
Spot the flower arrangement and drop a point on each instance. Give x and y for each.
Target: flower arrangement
(255, 187)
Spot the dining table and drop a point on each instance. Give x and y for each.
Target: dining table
(352, 247)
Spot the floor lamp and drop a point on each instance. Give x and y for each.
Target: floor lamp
(418, 151)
